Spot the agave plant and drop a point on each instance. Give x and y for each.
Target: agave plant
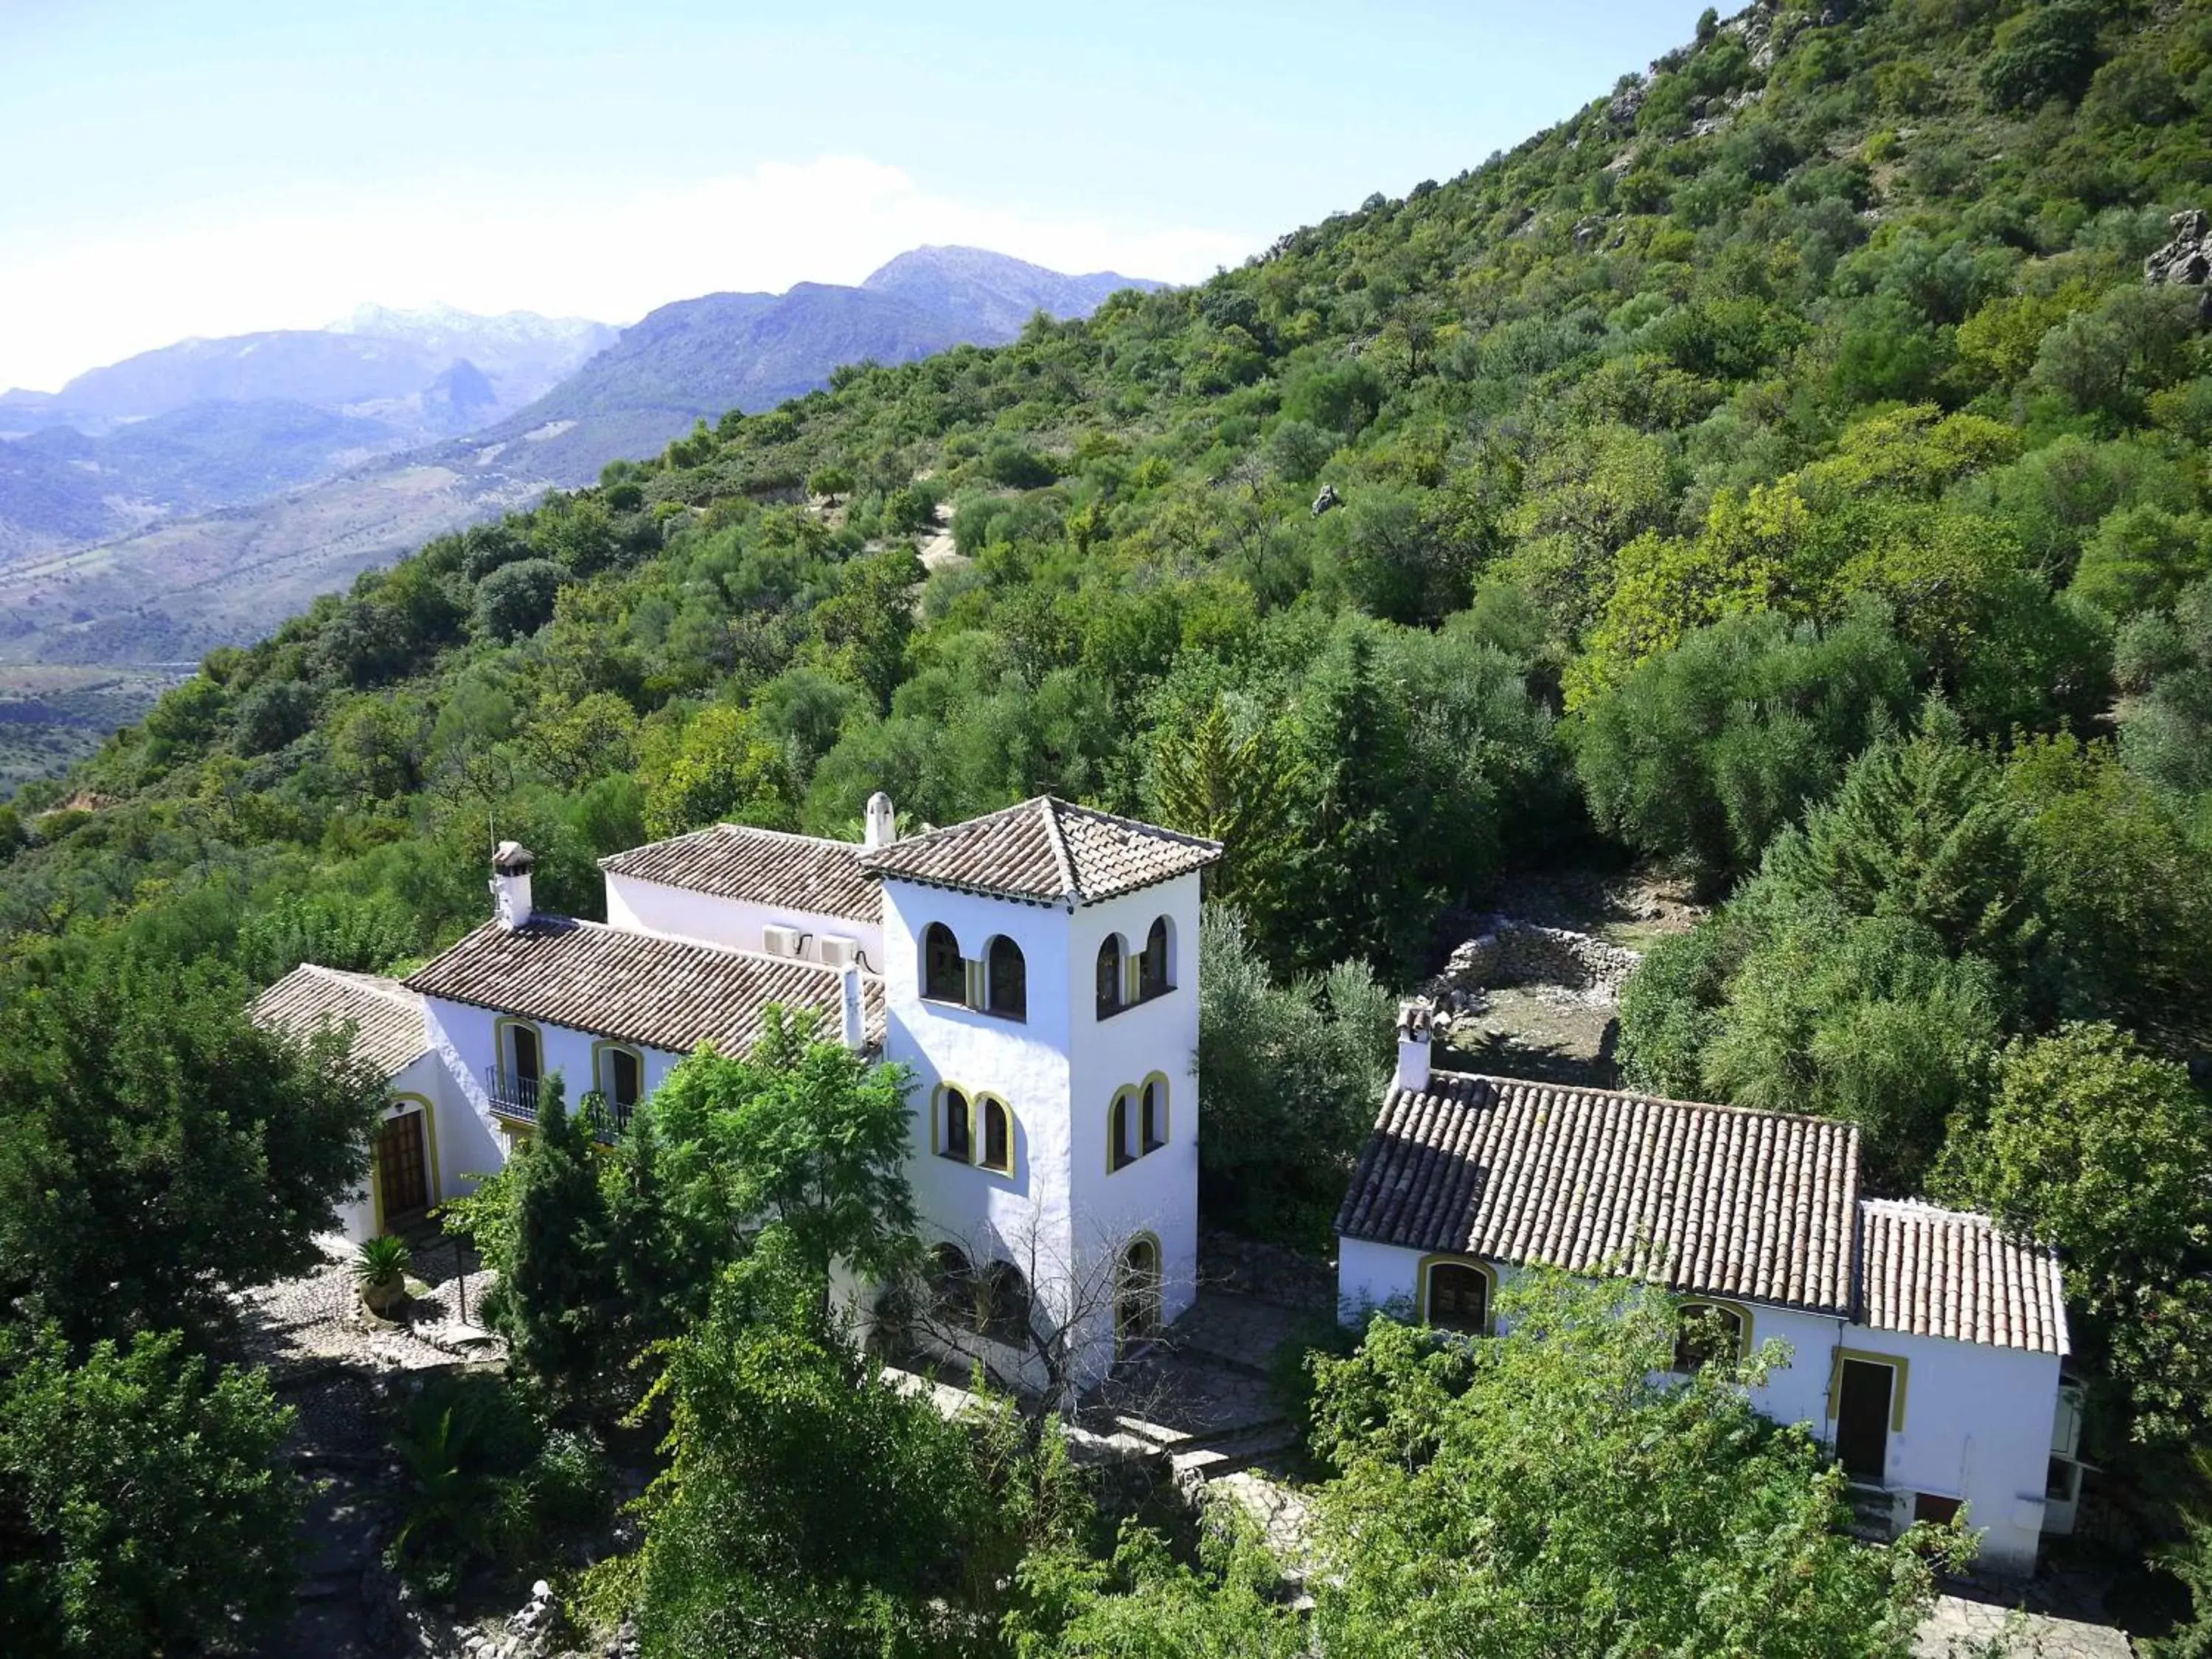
(381, 1270)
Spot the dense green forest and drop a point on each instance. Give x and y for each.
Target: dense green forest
(1781, 471)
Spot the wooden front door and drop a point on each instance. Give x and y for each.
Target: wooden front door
(403, 1167)
(1863, 1420)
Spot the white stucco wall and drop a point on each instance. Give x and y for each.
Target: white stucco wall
(1977, 1425)
(1023, 1217)
(1060, 1215)
(454, 1143)
(1158, 1193)
(648, 906)
(464, 1041)
(1976, 1420)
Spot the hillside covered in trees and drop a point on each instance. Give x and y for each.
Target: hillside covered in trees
(1783, 470)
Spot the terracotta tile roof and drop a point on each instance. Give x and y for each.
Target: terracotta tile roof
(639, 988)
(1707, 1198)
(1927, 1272)
(1044, 851)
(386, 1016)
(763, 866)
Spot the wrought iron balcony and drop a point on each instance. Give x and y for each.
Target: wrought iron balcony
(514, 1100)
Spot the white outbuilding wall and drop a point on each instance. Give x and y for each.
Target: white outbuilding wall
(1969, 1420)
(650, 907)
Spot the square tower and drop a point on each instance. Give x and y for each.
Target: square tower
(1041, 979)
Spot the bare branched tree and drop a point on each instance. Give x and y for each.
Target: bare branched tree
(1038, 1324)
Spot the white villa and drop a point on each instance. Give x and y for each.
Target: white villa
(1037, 968)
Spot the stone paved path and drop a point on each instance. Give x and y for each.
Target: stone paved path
(1960, 1627)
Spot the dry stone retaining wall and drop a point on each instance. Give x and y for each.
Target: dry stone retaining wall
(1520, 953)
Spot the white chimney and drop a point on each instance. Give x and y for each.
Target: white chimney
(1414, 1030)
(852, 1026)
(510, 884)
(883, 827)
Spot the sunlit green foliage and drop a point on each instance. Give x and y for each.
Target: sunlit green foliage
(1477, 1506)
(143, 1507)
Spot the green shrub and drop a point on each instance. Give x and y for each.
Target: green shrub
(143, 1503)
(517, 598)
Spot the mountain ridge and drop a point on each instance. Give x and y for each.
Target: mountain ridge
(170, 588)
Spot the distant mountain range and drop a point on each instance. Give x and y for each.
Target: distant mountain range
(703, 357)
(198, 495)
(205, 424)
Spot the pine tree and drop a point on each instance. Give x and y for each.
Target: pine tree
(557, 1297)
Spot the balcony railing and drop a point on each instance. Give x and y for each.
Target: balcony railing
(514, 1100)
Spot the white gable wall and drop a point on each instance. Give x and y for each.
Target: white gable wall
(650, 907)
(418, 1086)
(1976, 1419)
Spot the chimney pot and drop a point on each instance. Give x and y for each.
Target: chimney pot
(882, 823)
(1415, 1027)
(510, 884)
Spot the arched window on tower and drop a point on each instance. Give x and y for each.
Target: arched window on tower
(1003, 1306)
(1152, 1132)
(998, 1136)
(954, 1138)
(944, 975)
(1120, 1152)
(1137, 1293)
(1109, 975)
(1008, 994)
(952, 1285)
(1153, 965)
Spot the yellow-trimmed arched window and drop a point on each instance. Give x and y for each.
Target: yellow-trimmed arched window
(956, 1137)
(1002, 1305)
(1153, 963)
(1109, 975)
(519, 1048)
(996, 1134)
(1120, 1145)
(1137, 1292)
(1709, 1332)
(618, 1074)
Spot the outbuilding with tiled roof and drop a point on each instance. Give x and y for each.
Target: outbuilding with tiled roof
(1923, 1344)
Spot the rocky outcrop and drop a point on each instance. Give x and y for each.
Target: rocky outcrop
(2186, 260)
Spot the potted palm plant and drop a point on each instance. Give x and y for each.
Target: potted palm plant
(380, 1270)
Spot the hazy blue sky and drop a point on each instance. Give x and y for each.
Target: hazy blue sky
(220, 166)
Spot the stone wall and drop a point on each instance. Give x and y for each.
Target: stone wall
(1511, 952)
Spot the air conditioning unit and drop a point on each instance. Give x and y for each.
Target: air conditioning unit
(838, 951)
(783, 941)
